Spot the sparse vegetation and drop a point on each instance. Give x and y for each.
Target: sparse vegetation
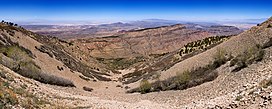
(32, 72)
(56, 51)
(11, 96)
(84, 78)
(158, 55)
(220, 57)
(188, 78)
(110, 36)
(183, 78)
(60, 68)
(265, 83)
(249, 56)
(23, 64)
(238, 98)
(145, 86)
(7, 97)
(120, 63)
(44, 49)
(87, 89)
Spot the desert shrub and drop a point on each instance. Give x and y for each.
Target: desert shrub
(87, 89)
(20, 61)
(266, 82)
(127, 87)
(3, 75)
(145, 86)
(238, 98)
(60, 68)
(16, 53)
(85, 78)
(182, 81)
(119, 86)
(269, 26)
(249, 56)
(182, 78)
(45, 49)
(219, 57)
(7, 62)
(7, 96)
(54, 80)
(30, 70)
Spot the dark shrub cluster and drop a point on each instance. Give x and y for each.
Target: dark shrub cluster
(202, 44)
(269, 26)
(9, 23)
(44, 49)
(85, 78)
(60, 68)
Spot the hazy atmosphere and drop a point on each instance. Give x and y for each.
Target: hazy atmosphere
(105, 11)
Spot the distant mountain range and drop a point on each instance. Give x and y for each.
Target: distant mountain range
(65, 31)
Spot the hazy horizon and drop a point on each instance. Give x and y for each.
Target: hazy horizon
(106, 11)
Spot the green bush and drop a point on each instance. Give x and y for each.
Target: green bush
(145, 86)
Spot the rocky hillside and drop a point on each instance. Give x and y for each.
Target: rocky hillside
(38, 71)
(24, 51)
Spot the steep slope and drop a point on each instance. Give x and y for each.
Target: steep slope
(235, 45)
(54, 61)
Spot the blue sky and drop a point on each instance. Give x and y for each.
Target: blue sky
(127, 10)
